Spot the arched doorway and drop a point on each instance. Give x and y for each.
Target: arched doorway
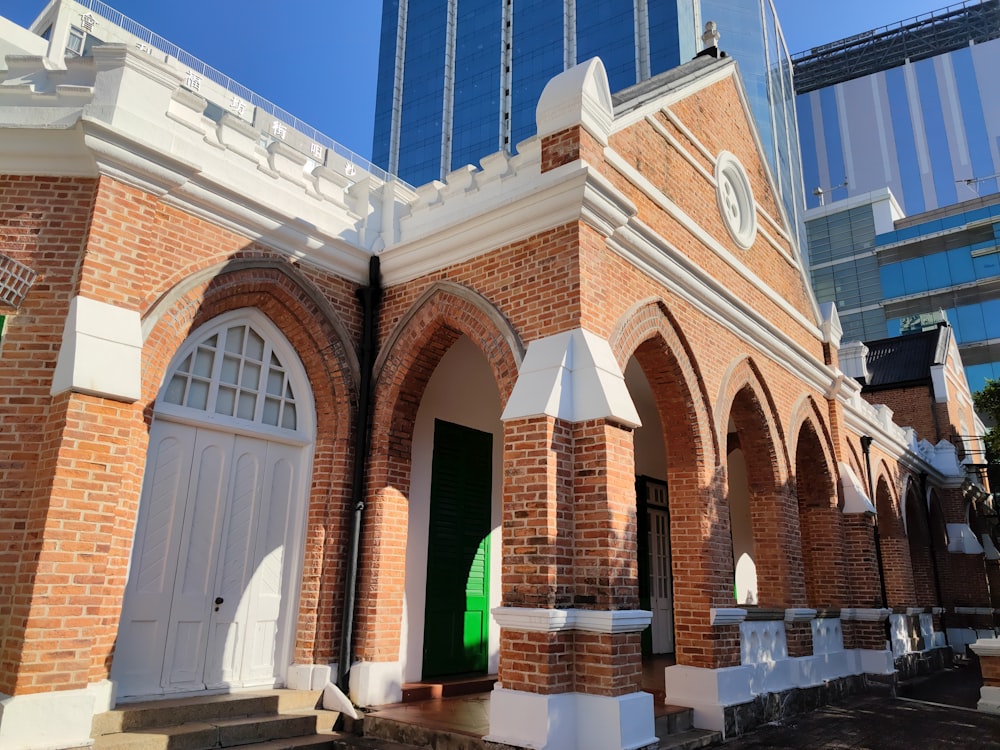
(211, 594)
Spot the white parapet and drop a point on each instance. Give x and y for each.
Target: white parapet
(571, 721)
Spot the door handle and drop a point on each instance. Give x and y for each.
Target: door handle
(218, 601)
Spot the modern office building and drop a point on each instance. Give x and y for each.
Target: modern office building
(911, 106)
(460, 79)
(890, 274)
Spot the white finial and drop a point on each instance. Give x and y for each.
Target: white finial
(711, 36)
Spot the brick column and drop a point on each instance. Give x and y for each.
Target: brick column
(988, 651)
(570, 656)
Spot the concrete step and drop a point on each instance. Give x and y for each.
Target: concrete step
(355, 742)
(410, 735)
(672, 719)
(175, 711)
(450, 688)
(209, 735)
(690, 739)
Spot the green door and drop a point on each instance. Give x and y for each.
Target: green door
(456, 619)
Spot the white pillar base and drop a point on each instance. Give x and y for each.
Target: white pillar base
(870, 661)
(59, 719)
(571, 721)
(708, 691)
(376, 683)
(989, 700)
(310, 676)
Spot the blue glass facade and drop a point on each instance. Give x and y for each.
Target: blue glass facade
(880, 281)
(607, 30)
(477, 82)
(445, 100)
(536, 25)
(926, 129)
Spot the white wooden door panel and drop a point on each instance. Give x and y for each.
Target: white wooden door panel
(270, 580)
(228, 622)
(188, 630)
(142, 636)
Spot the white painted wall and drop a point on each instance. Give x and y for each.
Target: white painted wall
(461, 390)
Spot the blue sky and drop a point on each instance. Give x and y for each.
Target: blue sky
(317, 58)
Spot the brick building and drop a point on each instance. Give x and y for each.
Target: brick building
(602, 397)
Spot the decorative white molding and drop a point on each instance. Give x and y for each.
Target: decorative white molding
(571, 376)
(962, 540)
(800, 614)
(734, 196)
(864, 614)
(989, 647)
(726, 616)
(832, 329)
(578, 96)
(101, 351)
(557, 620)
(855, 497)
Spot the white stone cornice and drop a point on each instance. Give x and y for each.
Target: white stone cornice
(989, 647)
(865, 614)
(558, 620)
(800, 614)
(726, 616)
(478, 220)
(672, 268)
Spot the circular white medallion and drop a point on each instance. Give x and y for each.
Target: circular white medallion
(735, 200)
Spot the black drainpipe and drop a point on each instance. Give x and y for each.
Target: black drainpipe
(866, 448)
(370, 296)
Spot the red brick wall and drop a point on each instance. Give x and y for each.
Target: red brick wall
(73, 464)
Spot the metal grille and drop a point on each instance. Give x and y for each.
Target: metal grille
(15, 281)
(887, 47)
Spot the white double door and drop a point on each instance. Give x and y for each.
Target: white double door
(209, 597)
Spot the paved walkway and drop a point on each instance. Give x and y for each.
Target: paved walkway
(884, 723)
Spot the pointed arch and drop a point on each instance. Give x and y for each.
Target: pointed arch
(444, 313)
(307, 319)
(747, 417)
(896, 565)
(820, 520)
(650, 332)
(698, 515)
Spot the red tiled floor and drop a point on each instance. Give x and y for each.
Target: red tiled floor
(470, 714)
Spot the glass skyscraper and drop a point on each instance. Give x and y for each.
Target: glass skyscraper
(459, 79)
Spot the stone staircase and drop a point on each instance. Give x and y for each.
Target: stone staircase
(288, 720)
(269, 720)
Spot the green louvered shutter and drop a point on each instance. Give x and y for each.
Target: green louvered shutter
(456, 620)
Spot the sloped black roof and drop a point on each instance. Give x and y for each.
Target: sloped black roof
(907, 359)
